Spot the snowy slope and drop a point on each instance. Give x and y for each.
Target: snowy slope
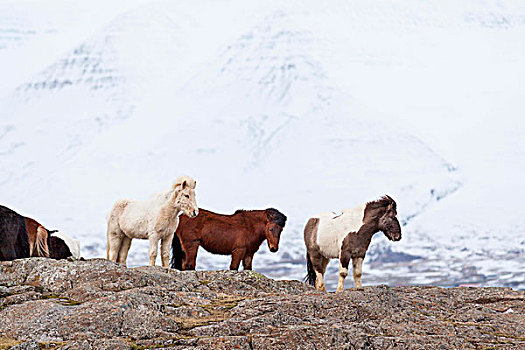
(304, 108)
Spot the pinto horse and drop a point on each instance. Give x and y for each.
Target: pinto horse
(239, 235)
(22, 237)
(347, 236)
(155, 219)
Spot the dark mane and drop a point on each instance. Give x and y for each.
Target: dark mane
(382, 202)
(277, 217)
(239, 211)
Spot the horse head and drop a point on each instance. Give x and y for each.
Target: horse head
(388, 222)
(274, 226)
(62, 246)
(186, 200)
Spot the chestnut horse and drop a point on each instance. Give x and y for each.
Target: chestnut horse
(239, 234)
(22, 237)
(347, 236)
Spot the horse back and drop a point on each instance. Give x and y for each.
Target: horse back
(333, 228)
(131, 217)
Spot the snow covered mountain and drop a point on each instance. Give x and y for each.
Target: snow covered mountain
(306, 107)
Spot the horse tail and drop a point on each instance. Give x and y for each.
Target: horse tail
(177, 254)
(310, 240)
(311, 276)
(41, 246)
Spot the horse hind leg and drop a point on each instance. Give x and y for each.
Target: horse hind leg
(190, 255)
(114, 234)
(316, 264)
(124, 249)
(115, 240)
(319, 272)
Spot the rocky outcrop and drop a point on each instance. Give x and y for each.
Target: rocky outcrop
(97, 304)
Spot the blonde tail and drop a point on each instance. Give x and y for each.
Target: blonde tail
(41, 247)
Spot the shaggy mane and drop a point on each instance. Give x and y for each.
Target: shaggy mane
(382, 202)
(277, 217)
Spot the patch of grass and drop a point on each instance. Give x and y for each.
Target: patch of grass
(256, 275)
(68, 302)
(51, 345)
(174, 305)
(204, 282)
(505, 335)
(135, 346)
(187, 323)
(6, 343)
(226, 303)
(50, 296)
(61, 300)
(218, 309)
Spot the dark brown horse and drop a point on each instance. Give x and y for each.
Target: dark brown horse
(23, 237)
(238, 235)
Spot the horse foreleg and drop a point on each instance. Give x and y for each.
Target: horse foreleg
(357, 267)
(124, 249)
(153, 248)
(247, 262)
(165, 245)
(237, 256)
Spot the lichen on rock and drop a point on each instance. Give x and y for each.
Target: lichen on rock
(97, 304)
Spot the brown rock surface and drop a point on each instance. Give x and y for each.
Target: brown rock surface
(96, 304)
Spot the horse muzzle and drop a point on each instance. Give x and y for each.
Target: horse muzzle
(274, 249)
(194, 213)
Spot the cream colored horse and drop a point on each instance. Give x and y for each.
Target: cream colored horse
(155, 220)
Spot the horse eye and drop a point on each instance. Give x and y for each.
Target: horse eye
(187, 196)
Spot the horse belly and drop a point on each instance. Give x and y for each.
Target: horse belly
(133, 225)
(329, 249)
(217, 246)
(218, 240)
(329, 240)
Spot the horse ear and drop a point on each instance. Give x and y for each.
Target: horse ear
(184, 184)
